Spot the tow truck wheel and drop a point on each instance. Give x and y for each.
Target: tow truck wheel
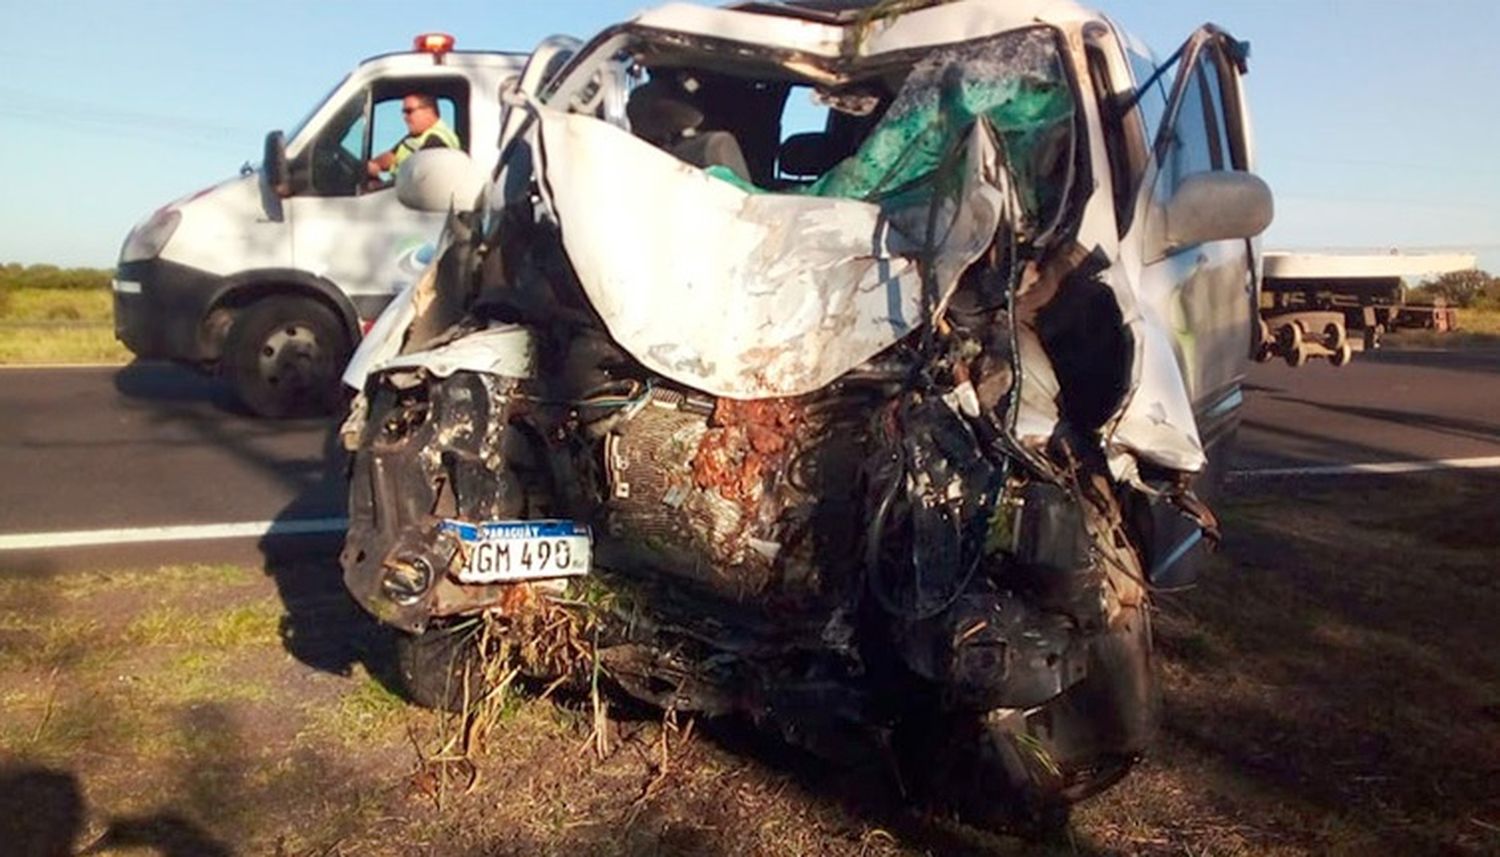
(284, 355)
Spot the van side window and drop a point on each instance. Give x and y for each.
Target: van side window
(333, 165)
(1151, 98)
(1193, 145)
(389, 127)
(369, 123)
(1226, 110)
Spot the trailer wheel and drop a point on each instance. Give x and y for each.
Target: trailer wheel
(1334, 336)
(1288, 336)
(1342, 355)
(1265, 346)
(284, 355)
(1296, 356)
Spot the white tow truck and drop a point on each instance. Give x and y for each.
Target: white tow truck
(270, 278)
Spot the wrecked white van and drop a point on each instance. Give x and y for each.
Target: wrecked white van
(858, 367)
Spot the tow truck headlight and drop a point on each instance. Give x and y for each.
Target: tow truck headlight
(147, 240)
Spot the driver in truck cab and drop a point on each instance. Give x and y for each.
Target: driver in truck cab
(425, 130)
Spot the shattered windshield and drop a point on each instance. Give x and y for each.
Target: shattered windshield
(1013, 81)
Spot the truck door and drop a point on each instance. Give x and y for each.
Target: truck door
(353, 231)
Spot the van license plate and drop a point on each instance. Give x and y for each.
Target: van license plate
(506, 551)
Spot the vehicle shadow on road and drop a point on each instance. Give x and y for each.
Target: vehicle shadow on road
(322, 625)
(163, 383)
(1464, 428)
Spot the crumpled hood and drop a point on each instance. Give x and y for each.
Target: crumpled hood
(739, 294)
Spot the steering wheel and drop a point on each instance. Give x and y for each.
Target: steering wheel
(336, 170)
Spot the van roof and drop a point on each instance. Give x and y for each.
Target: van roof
(820, 27)
(464, 58)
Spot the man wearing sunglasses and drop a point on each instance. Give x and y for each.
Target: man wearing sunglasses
(425, 130)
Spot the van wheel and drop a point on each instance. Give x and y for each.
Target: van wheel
(1009, 771)
(440, 667)
(284, 356)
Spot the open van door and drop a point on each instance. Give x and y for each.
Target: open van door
(1202, 209)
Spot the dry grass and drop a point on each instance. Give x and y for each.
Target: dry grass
(1482, 321)
(1477, 328)
(1332, 687)
(58, 305)
(39, 326)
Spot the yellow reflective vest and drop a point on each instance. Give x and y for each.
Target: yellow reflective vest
(415, 143)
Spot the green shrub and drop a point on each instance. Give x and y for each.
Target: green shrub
(1462, 289)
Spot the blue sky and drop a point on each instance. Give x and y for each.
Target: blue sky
(1377, 120)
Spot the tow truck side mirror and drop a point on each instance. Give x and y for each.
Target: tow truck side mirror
(1215, 206)
(274, 166)
(439, 180)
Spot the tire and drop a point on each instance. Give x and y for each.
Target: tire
(435, 665)
(1297, 355)
(1014, 773)
(1333, 336)
(284, 355)
(1342, 356)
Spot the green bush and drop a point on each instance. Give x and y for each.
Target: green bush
(1464, 289)
(16, 276)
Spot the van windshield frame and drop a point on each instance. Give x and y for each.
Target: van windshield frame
(293, 135)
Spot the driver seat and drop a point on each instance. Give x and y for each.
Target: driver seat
(661, 113)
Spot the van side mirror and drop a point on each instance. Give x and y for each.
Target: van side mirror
(1215, 206)
(439, 180)
(274, 166)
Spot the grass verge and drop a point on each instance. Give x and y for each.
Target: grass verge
(1477, 328)
(1332, 686)
(40, 326)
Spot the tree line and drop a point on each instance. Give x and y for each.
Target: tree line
(1464, 289)
(14, 275)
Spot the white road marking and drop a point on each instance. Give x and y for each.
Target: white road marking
(140, 535)
(22, 367)
(1377, 468)
(323, 526)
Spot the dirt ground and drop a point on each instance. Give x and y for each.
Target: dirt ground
(1333, 686)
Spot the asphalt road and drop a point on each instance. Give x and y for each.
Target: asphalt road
(155, 445)
(151, 445)
(1384, 406)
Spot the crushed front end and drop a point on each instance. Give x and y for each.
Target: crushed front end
(830, 451)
